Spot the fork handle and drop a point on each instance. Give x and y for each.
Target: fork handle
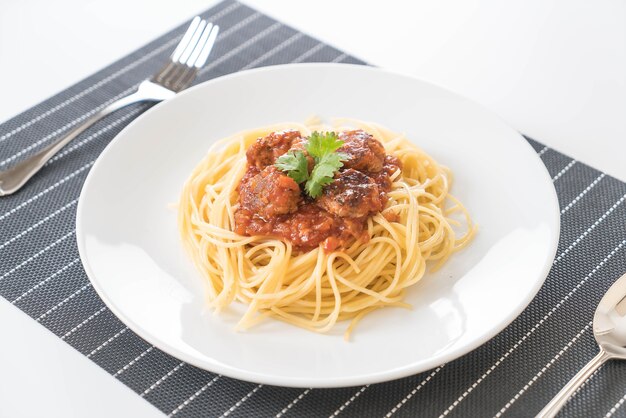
(14, 178)
(555, 405)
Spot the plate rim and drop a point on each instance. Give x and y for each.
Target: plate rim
(316, 382)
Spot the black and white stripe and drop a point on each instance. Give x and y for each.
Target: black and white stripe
(514, 374)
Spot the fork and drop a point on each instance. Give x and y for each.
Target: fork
(177, 74)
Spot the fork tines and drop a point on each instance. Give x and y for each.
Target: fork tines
(191, 54)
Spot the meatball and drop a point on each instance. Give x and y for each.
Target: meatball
(352, 194)
(265, 150)
(365, 153)
(383, 178)
(269, 193)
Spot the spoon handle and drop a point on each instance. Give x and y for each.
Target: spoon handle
(568, 390)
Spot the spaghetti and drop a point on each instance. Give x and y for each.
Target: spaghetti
(418, 226)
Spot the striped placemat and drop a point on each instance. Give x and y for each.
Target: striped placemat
(514, 374)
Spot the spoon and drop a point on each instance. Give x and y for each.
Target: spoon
(609, 329)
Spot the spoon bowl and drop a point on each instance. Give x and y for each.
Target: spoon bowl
(609, 330)
(609, 321)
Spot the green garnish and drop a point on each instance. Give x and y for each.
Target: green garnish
(322, 147)
(322, 144)
(295, 164)
(323, 173)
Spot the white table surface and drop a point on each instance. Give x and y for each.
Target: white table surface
(555, 70)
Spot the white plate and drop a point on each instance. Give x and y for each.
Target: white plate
(129, 244)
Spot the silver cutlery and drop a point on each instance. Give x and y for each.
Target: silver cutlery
(176, 75)
(609, 329)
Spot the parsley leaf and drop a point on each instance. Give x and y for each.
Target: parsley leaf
(323, 174)
(321, 144)
(322, 147)
(295, 164)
